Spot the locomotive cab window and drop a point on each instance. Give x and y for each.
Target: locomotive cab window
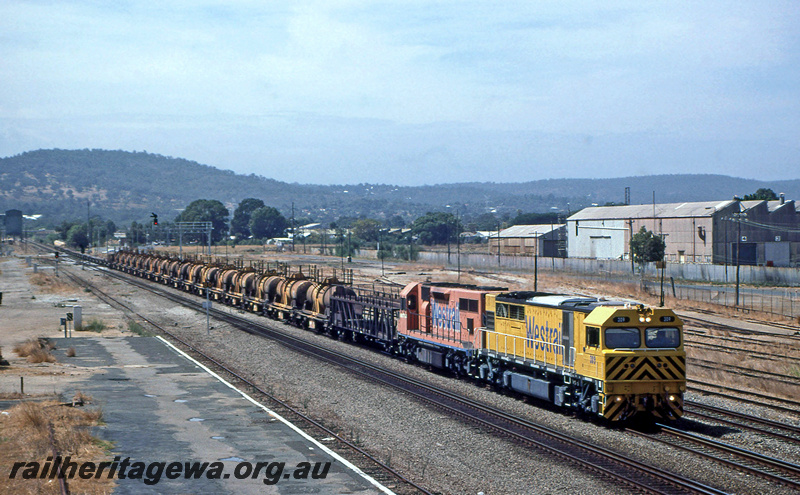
(622, 338)
(592, 337)
(664, 337)
(412, 302)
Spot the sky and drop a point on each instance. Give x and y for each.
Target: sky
(410, 92)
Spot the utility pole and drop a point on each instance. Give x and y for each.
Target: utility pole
(458, 244)
(536, 263)
(738, 217)
(498, 244)
(630, 243)
(88, 225)
(380, 238)
(293, 232)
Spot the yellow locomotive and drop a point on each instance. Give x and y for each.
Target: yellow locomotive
(614, 359)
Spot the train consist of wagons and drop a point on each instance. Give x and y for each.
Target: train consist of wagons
(611, 359)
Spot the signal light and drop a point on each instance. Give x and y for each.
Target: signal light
(155, 218)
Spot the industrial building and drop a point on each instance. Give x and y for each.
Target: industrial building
(541, 240)
(756, 232)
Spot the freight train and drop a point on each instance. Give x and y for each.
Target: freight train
(597, 357)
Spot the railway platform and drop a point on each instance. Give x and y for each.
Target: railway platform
(160, 406)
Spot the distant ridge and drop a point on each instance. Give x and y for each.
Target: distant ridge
(125, 186)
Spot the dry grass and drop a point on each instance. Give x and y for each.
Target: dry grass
(36, 351)
(71, 352)
(41, 356)
(49, 283)
(24, 437)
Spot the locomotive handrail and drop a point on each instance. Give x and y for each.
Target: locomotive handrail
(565, 363)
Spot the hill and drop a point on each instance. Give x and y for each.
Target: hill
(126, 186)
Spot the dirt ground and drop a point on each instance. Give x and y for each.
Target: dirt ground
(33, 303)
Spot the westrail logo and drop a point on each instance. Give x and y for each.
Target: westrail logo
(543, 337)
(445, 317)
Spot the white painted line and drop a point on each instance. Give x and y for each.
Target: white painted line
(272, 413)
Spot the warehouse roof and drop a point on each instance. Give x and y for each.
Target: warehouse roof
(667, 210)
(531, 231)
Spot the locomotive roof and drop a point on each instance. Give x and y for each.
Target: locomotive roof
(456, 285)
(577, 303)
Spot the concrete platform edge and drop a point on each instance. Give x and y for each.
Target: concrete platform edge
(280, 418)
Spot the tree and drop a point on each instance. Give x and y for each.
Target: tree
(240, 224)
(367, 229)
(78, 237)
(436, 228)
(646, 246)
(266, 222)
(207, 210)
(762, 193)
(63, 229)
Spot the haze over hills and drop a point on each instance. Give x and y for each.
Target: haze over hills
(126, 186)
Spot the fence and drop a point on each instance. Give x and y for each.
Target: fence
(778, 301)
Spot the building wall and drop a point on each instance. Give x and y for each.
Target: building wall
(687, 239)
(601, 239)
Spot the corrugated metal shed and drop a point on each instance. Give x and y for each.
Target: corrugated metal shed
(666, 210)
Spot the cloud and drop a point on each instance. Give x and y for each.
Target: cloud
(385, 88)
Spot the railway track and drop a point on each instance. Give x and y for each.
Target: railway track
(792, 327)
(746, 396)
(731, 347)
(789, 380)
(766, 467)
(763, 426)
(746, 335)
(605, 462)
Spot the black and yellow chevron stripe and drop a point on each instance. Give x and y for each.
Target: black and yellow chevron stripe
(641, 368)
(614, 409)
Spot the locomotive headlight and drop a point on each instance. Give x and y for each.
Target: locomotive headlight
(647, 319)
(672, 398)
(641, 319)
(619, 399)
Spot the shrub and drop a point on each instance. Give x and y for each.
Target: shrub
(94, 325)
